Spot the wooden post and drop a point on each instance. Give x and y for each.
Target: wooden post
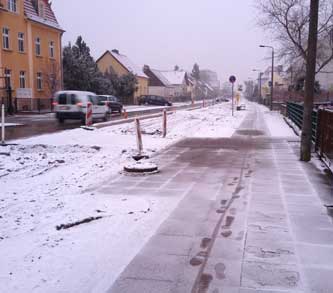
(138, 136)
(164, 123)
(3, 124)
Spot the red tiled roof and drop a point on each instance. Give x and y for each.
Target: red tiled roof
(49, 18)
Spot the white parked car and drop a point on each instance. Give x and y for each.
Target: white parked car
(73, 105)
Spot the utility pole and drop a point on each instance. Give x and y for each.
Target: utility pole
(309, 83)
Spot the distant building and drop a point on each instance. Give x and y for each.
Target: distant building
(122, 65)
(281, 82)
(30, 53)
(158, 84)
(167, 83)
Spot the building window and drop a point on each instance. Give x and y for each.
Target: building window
(20, 42)
(51, 46)
(8, 77)
(37, 46)
(12, 5)
(22, 79)
(39, 81)
(5, 38)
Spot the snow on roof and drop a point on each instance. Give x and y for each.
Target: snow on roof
(49, 18)
(207, 85)
(174, 77)
(161, 77)
(128, 64)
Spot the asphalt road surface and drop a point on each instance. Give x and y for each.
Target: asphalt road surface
(37, 124)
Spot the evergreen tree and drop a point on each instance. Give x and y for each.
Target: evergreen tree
(81, 71)
(196, 72)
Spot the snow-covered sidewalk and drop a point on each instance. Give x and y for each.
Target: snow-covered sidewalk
(49, 181)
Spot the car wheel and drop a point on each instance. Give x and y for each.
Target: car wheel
(166, 104)
(61, 120)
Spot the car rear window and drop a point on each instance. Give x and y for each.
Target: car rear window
(73, 99)
(62, 99)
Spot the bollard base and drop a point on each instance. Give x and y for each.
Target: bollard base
(140, 168)
(139, 157)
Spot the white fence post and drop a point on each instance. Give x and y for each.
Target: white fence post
(3, 124)
(89, 114)
(138, 136)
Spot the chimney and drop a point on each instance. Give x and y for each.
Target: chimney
(146, 68)
(115, 51)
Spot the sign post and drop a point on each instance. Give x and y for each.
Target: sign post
(232, 80)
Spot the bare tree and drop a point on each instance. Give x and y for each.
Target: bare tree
(52, 77)
(288, 22)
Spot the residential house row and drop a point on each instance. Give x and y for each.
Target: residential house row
(31, 60)
(172, 84)
(30, 54)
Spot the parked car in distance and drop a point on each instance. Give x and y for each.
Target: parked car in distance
(113, 103)
(73, 105)
(154, 100)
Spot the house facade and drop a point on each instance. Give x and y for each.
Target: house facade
(158, 85)
(281, 82)
(122, 65)
(30, 55)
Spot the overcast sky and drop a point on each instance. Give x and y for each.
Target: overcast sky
(217, 34)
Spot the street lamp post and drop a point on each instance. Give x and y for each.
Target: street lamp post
(259, 81)
(272, 78)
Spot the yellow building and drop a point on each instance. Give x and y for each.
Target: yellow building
(30, 52)
(122, 65)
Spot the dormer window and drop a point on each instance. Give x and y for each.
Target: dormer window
(12, 5)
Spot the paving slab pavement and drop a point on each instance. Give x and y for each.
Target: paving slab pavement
(249, 219)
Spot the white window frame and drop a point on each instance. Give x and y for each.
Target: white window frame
(51, 49)
(39, 81)
(38, 47)
(20, 40)
(6, 38)
(12, 5)
(22, 79)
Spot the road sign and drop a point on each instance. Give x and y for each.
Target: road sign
(232, 79)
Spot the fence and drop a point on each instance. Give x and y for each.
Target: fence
(322, 128)
(325, 134)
